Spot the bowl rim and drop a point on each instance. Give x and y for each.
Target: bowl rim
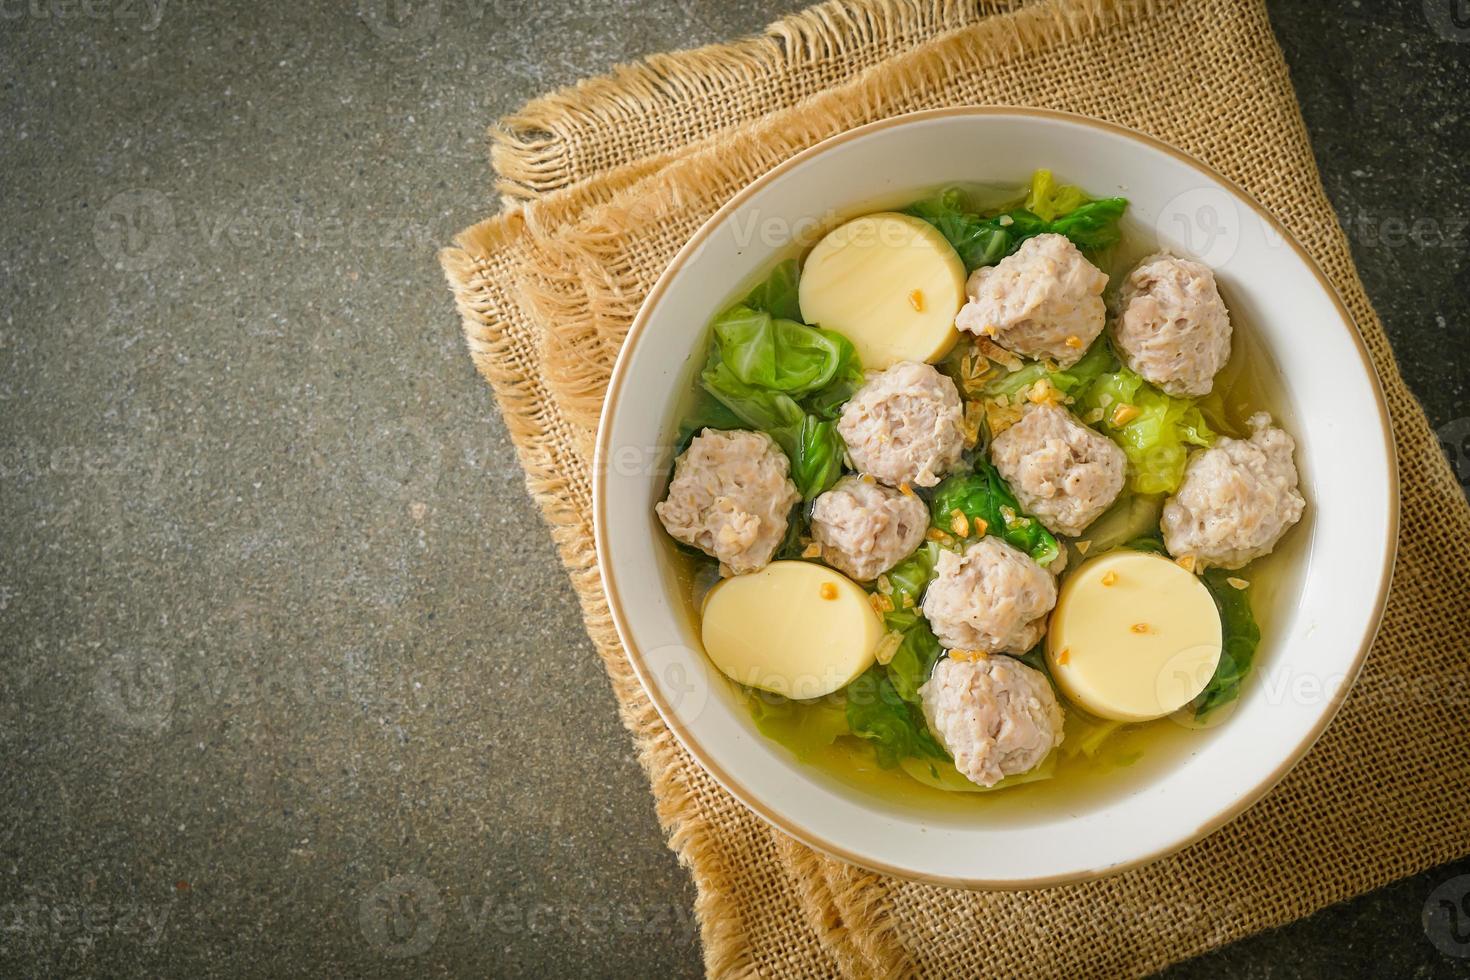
(706, 759)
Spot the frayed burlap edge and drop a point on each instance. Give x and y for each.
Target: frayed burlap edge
(696, 92)
(576, 282)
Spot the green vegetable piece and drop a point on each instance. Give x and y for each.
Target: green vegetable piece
(791, 545)
(984, 240)
(1015, 382)
(1241, 637)
(1047, 199)
(708, 413)
(759, 408)
(896, 728)
(827, 403)
(909, 578)
(778, 294)
(979, 241)
(1035, 658)
(914, 661)
(781, 355)
(816, 455)
(803, 727)
(1131, 517)
(1093, 226)
(984, 495)
(769, 372)
(1098, 360)
(1085, 735)
(1155, 430)
(1152, 542)
(812, 444)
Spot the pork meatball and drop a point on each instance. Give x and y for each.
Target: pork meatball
(1043, 301)
(1237, 499)
(1172, 326)
(1060, 470)
(995, 715)
(730, 498)
(904, 425)
(865, 528)
(992, 599)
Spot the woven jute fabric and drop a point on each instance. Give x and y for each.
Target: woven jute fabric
(602, 183)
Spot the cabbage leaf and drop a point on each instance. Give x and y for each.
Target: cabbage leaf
(778, 294)
(914, 660)
(983, 495)
(979, 241)
(1098, 360)
(908, 579)
(1156, 438)
(1241, 637)
(1047, 199)
(784, 378)
(779, 354)
(804, 727)
(985, 239)
(895, 727)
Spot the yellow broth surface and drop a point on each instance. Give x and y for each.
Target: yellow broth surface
(1131, 755)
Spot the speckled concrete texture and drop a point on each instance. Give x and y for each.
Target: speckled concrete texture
(290, 680)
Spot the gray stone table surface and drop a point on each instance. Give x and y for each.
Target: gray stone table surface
(290, 680)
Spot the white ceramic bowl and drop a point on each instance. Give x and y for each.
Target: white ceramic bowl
(1342, 553)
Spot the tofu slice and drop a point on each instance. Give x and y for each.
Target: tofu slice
(794, 628)
(1133, 637)
(888, 282)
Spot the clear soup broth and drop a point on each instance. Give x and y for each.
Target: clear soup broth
(1128, 756)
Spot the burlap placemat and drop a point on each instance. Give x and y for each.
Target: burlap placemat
(605, 181)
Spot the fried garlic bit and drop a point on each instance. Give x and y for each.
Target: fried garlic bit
(973, 419)
(1124, 414)
(968, 655)
(887, 647)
